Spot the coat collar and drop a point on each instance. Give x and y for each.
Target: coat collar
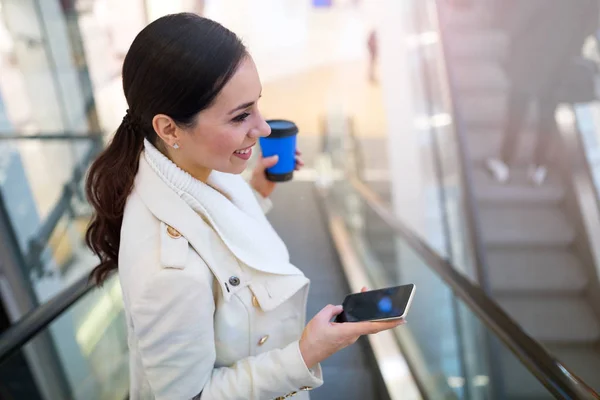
(239, 222)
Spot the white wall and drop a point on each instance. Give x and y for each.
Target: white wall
(407, 176)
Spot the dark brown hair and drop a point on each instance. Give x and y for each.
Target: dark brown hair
(176, 66)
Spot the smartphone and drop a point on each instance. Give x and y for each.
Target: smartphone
(377, 305)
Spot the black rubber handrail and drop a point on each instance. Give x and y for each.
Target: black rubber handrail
(41, 317)
(38, 319)
(562, 383)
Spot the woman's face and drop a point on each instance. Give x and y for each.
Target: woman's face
(226, 133)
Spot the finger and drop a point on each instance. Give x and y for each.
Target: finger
(329, 312)
(268, 162)
(370, 327)
(364, 289)
(299, 161)
(385, 325)
(298, 152)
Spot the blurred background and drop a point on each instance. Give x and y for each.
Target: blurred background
(452, 144)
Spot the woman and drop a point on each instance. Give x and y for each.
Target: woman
(214, 308)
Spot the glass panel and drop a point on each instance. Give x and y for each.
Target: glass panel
(82, 355)
(447, 346)
(588, 124)
(45, 85)
(47, 210)
(435, 108)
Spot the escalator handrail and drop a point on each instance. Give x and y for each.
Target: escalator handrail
(40, 317)
(550, 372)
(13, 339)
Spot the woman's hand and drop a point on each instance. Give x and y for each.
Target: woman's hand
(259, 181)
(322, 338)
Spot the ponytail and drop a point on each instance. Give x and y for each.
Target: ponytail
(176, 66)
(109, 182)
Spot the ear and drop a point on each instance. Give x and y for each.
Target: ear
(166, 129)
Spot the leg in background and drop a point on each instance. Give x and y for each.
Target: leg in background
(517, 110)
(546, 131)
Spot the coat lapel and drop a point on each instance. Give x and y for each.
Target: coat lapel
(239, 223)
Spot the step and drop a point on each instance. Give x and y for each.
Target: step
(491, 45)
(583, 361)
(518, 189)
(482, 110)
(525, 226)
(484, 143)
(557, 319)
(475, 75)
(526, 271)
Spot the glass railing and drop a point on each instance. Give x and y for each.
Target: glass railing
(457, 340)
(81, 354)
(438, 123)
(44, 207)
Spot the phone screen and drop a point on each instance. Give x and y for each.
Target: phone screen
(379, 304)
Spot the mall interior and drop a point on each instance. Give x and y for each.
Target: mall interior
(402, 109)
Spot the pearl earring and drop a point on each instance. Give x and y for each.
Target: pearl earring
(175, 146)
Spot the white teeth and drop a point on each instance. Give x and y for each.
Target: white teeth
(242, 151)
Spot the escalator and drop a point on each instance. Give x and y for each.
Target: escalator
(457, 343)
(464, 338)
(540, 260)
(454, 341)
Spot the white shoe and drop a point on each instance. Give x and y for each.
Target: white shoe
(498, 169)
(537, 174)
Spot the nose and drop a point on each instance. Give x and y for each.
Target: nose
(262, 129)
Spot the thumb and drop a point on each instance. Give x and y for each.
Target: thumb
(329, 312)
(269, 162)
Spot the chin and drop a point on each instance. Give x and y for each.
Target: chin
(234, 169)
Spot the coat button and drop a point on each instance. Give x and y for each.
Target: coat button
(173, 233)
(254, 301)
(234, 281)
(263, 340)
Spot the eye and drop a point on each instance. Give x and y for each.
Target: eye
(241, 117)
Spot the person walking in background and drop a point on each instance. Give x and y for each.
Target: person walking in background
(545, 36)
(373, 55)
(214, 308)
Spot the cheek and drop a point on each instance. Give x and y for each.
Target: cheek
(224, 143)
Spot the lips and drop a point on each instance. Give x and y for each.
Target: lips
(244, 154)
(244, 151)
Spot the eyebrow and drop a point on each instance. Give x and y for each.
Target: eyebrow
(244, 106)
(241, 107)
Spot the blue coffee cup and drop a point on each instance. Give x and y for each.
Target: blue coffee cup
(281, 142)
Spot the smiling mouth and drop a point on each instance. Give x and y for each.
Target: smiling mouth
(244, 151)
